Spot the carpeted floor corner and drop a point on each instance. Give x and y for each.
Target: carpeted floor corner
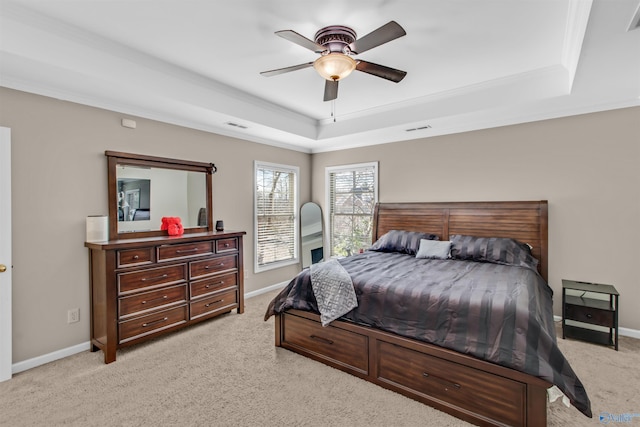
(227, 372)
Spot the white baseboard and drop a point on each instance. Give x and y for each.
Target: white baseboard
(49, 357)
(78, 348)
(265, 290)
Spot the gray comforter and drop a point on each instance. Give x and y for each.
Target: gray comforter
(498, 313)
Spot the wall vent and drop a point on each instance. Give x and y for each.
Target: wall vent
(236, 125)
(419, 128)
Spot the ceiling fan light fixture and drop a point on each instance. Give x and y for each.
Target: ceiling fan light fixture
(334, 66)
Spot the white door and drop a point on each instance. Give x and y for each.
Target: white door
(5, 254)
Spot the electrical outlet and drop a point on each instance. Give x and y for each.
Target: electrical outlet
(73, 315)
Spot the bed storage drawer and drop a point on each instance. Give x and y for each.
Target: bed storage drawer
(347, 349)
(463, 387)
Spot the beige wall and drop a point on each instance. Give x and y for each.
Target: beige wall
(587, 167)
(59, 176)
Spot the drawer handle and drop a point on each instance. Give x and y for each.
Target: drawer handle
(214, 284)
(324, 340)
(164, 276)
(206, 267)
(164, 319)
(441, 380)
(162, 298)
(215, 302)
(180, 251)
(136, 257)
(589, 315)
(226, 245)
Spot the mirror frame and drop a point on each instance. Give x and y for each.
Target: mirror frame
(115, 158)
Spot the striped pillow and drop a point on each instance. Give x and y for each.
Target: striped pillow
(404, 242)
(498, 250)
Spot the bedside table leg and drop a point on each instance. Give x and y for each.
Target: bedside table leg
(615, 317)
(563, 311)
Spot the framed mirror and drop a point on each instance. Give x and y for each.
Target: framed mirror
(143, 189)
(311, 234)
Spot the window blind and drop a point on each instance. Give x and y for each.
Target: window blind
(352, 198)
(276, 215)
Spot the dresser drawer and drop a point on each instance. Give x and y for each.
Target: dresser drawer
(155, 322)
(168, 252)
(142, 302)
(211, 266)
(336, 345)
(594, 316)
(465, 387)
(213, 284)
(152, 277)
(226, 245)
(131, 257)
(224, 301)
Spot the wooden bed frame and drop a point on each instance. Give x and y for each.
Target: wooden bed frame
(471, 389)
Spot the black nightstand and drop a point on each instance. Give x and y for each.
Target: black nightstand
(593, 311)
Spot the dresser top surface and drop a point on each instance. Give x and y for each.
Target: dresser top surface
(162, 240)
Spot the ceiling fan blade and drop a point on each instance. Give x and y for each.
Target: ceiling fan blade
(301, 40)
(390, 31)
(286, 69)
(381, 71)
(330, 90)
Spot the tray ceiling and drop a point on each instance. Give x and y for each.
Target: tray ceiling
(471, 64)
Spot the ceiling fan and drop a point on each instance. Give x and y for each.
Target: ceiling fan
(337, 44)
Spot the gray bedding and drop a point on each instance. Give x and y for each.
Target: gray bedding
(498, 313)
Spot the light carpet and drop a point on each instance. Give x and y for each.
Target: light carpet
(227, 372)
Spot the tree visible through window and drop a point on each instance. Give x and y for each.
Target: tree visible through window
(276, 229)
(352, 195)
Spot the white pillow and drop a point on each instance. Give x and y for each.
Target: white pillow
(436, 249)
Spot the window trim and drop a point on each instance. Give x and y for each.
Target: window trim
(328, 170)
(296, 221)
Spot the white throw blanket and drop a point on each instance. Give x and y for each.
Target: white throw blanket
(333, 289)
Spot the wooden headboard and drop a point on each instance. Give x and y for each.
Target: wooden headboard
(525, 221)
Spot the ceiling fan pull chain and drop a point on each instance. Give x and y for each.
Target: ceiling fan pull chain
(333, 110)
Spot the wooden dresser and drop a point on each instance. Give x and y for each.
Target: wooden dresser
(142, 288)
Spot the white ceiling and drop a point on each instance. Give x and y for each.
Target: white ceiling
(471, 64)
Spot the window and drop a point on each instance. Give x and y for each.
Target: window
(352, 192)
(276, 219)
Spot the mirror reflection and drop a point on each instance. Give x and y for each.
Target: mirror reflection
(311, 234)
(146, 194)
(134, 199)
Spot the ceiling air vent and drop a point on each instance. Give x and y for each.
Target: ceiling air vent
(236, 125)
(419, 128)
